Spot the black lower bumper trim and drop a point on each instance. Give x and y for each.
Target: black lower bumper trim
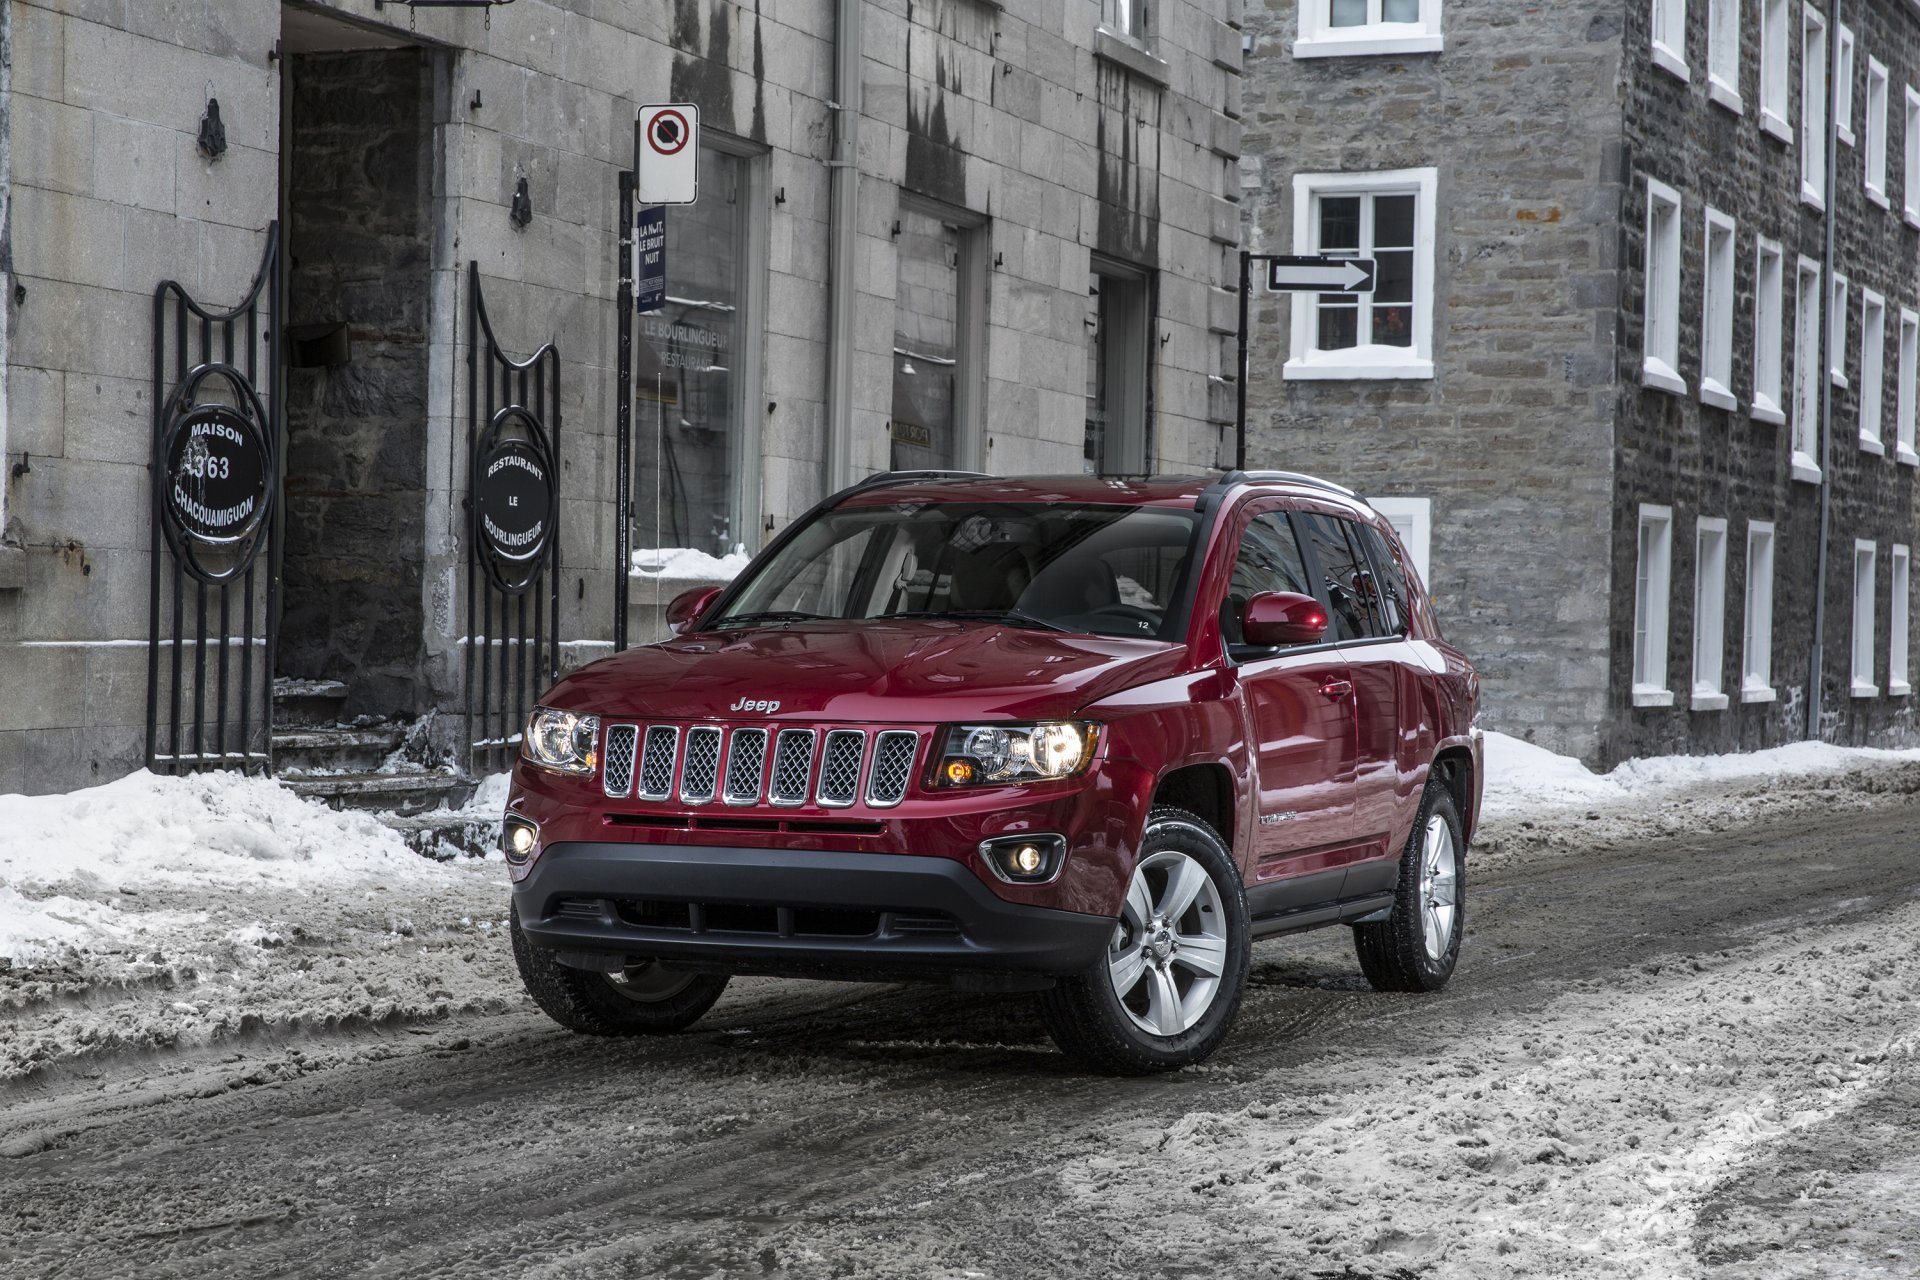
(794, 913)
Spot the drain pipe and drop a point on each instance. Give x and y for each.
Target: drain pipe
(1817, 666)
(842, 243)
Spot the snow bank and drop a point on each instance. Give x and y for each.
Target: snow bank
(688, 565)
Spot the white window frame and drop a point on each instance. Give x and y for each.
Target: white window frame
(1667, 35)
(1125, 18)
(1710, 614)
(1716, 312)
(1306, 362)
(1652, 603)
(1837, 338)
(1866, 556)
(1318, 38)
(1723, 54)
(1843, 89)
(1899, 620)
(1806, 371)
(1769, 284)
(1813, 107)
(1873, 370)
(1876, 122)
(1776, 72)
(1910, 161)
(1907, 395)
(1756, 645)
(1660, 311)
(1412, 518)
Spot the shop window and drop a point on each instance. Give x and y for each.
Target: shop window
(938, 340)
(1118, 321)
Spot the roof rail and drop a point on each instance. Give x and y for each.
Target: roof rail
(907, 477)
(1287, 477)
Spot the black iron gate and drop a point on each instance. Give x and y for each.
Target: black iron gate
(216, 517)
(513, 536)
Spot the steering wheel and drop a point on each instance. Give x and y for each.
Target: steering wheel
(1149, 618)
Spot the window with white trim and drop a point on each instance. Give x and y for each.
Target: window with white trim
(1709, 614)
(1774, 69)
(1876, 147)
(1813, 107)
(1412, 519)
(1768, 272)
(1716, 314)
(1910, 161)
(1387, 217)
(1652, 589)
(1899, 616)
(1670, 36)
(1341, 28)
(1864, 556)
(1806, 372)
(1905, 404)
(1660, 366)
(1843, 88)
(1756, 644)
(1837, 337)
(1125, 18)
(1873, 368)
(1723, 53)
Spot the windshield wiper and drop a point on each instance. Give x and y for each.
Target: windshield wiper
(1009, 617)
(771, 615)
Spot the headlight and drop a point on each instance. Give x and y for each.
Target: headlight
(989, 753)
(561, 740)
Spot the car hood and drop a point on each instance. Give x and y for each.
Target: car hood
(903, 672)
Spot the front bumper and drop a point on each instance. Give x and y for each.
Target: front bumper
(791, 912)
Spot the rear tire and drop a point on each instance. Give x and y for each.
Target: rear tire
(1416, 948)
(644, 999)
(1165, 994)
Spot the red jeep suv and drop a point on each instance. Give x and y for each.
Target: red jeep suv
(1085, 737)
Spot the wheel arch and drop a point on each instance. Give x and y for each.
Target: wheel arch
(1454, 767)
(1204, 790)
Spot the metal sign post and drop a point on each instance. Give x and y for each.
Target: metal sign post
(1290, 274)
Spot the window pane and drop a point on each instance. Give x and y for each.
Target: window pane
(1339, 323)
(1393, 281)
(1096, 441)
(925, 342)
(1400, 11)
(1339, 223)
(1393, 326)
(1346, 584)
(1349, 13)
(1393, 222)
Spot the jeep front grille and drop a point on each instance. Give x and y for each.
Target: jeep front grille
(618, 778)
(792, 767)
(746, 765)
(840, 764)
(893, 753)
(656, 763)
(754, 766)
(701, 773)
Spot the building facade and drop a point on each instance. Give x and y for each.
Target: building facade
(929, 233)
(1612, 379)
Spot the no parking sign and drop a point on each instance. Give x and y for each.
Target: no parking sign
(667, 153)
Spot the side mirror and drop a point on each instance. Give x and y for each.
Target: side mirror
(685, 609)
(1283, 617)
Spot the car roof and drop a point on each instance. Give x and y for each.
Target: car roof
(1188, 491)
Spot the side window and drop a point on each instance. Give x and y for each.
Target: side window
(1346, 584)
(1269, 560)
(1391, 576)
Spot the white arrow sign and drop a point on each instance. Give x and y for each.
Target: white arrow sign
(1320, 275)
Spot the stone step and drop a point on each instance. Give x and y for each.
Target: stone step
(307, 703)
(335, 748)
(403, 794)
(445, 835)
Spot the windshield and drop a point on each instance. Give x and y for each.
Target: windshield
(1085, 568)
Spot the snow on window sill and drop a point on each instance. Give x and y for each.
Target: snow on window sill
(1809, 196)
(1710, 700)
(1906, 456)
(1804, 468)
(1838, 377)
(1670, 62)
(1878, 196)
(1339, 366)
(1765, 410)
(1872, 445)
(1723, 94)
(1757, 693)
(1130, 52)
(1898, 688)
(1865, 690)
(1844, 134)
(1368, 45)
(1772, 122)
(1711, 392)
(1659, 375)
(1646, 695)
(1912, 216)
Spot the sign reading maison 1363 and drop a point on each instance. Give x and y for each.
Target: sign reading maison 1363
(216, 475)
(515, 500)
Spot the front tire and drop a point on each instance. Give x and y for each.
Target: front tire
(643, 999)
(1417, 946)
(1165, 994)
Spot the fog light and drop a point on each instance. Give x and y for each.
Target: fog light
(1025, 859)
(518, 838)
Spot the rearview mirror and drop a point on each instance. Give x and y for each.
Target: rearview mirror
(685, 609)
(1283, 617)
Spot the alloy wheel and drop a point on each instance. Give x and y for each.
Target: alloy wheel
(1170, 946)
(1439, 880)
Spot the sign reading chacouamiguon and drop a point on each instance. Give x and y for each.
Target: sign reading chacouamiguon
(216, 481)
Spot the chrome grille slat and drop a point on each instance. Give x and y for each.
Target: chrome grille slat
(746, 766)
(893, 753)
(700, 774)
(840, 761)
(617, 778)
(657, 761)
(792, 767)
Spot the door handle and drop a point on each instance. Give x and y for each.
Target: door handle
(1337, 688)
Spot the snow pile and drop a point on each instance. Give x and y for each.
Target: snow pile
(685, 564)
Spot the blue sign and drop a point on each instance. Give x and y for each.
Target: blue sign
(650, 259)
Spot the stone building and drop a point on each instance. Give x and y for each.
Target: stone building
(1611, 380)
(959, 233)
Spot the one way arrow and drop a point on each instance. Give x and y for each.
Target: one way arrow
(1320, 275)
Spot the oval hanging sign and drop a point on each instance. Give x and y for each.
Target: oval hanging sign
(216, 474)
(515, 500)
